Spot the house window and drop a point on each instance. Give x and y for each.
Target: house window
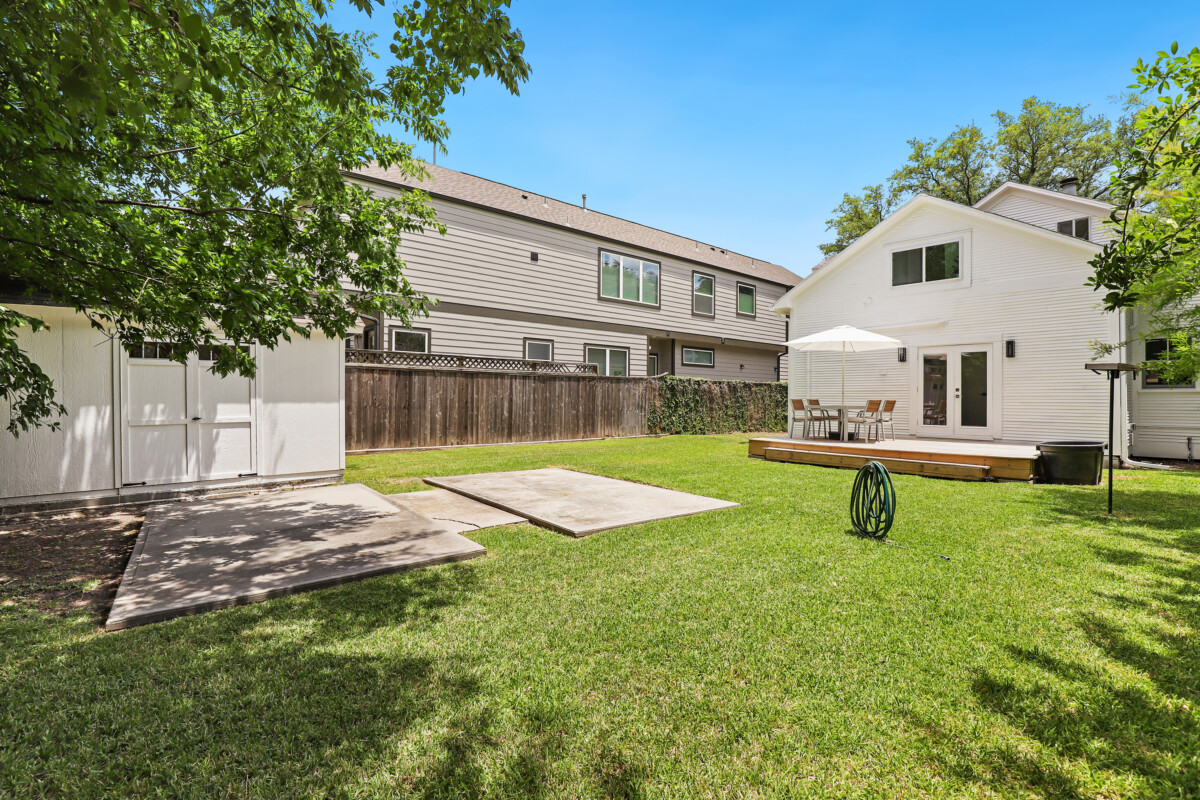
(704, 289)
(652, 364)
(745, 299)
(698, 357)
(354, 341)
(937, 262)
(1160, 350)
(406, 340)
(539, 350)
(1079, 228)
(150, 350)
(627, 278)
(608, 360)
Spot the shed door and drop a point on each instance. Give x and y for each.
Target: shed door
(225, 429)
(182, 423)
(156, 419)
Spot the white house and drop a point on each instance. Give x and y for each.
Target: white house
(996, 322)
(140, 426)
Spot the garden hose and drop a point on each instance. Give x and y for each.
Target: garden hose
(872, 501)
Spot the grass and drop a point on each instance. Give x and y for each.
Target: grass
(762, 651)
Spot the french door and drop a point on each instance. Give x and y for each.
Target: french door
(955, 391)
(180, 422)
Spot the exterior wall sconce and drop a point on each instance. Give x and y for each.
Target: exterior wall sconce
(902, 354)
(1010, 348)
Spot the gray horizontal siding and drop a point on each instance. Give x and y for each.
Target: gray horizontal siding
(484, 259)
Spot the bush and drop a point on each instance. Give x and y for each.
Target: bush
(698, 405)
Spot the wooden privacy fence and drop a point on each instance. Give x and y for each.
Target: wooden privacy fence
(391, 408)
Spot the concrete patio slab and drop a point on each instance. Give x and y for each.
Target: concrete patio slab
(458, 513)
(576, 503)
(208, 554)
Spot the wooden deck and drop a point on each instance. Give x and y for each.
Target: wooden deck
(962, 460)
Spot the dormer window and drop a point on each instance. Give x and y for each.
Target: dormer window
(1079, 228)
(935, 262)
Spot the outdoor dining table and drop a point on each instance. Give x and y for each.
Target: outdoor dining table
(843, 411)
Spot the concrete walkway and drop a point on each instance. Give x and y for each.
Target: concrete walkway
(197, 556)
(576, 503)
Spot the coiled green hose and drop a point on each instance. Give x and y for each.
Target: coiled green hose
(872, 501)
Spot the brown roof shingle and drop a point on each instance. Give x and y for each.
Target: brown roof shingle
(465, 188)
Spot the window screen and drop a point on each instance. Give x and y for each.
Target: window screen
(697, 357)
(906, 267)
(745, 300)
(410, 341)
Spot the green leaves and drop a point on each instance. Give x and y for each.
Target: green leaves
(1153, 265)
(169, 168)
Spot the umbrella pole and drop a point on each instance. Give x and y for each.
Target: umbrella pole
(843, 373)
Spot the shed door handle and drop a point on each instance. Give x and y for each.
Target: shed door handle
(195, 419)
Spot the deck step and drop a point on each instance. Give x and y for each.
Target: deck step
(906, 466)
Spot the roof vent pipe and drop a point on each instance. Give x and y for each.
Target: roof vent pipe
(1069, 185)
(585, 202)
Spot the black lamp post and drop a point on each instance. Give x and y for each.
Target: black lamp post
(1114, 370)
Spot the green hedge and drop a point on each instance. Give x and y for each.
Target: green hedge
(697, 405)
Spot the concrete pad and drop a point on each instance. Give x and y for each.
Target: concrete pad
(577, 503)
(208, 554)
(458, 513)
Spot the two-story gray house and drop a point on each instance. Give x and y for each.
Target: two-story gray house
(520, 275)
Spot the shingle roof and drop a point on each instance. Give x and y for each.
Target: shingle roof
(459, 186)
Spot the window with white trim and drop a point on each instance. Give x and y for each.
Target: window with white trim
(1079, 228)
(633, 280)
(539, 350)
(935, 262)
(704, 291)
(652, 364)
(746, 299)
(608, 360)
(698, 357)
(1160, 350)
(410, 340)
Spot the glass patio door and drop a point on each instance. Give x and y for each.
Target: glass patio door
(954, 385)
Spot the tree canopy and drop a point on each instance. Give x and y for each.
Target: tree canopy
(1041, 145)
(1153, 264)
(175, 165)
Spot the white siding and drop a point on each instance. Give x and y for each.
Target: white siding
(1045, 213)
(79, 457)
(1165, 417)
(1017, 285)
(302, 391)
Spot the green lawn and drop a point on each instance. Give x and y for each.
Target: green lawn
(762, 651)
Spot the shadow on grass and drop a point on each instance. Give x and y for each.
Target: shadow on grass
(345, 692)
(1126, 717)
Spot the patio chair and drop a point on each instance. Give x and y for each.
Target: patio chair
(868, 417)
(821, 416)
(803, 415)
(885, 418)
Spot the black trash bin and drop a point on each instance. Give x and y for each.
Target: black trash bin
(1078, 463)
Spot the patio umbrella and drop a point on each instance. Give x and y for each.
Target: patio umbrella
(846, 339)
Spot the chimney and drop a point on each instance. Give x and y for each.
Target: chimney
(585, 202)
(1069, 185)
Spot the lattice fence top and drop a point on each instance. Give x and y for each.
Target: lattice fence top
(388, 358)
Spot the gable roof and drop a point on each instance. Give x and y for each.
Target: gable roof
(830, 265)
(1057, 198)
(461, 187)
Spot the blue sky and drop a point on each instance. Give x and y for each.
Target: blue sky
(743, 125)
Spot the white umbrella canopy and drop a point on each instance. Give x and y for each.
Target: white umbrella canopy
(846, 338)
